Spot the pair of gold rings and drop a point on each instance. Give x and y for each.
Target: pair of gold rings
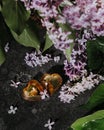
(50, 82)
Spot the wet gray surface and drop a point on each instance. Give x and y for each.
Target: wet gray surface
(33, 115)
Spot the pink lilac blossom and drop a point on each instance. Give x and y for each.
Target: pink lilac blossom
(88, 35)
(12, 110)
(56, 59)
(14, 84)
(60, 38)
(69, 92)
(37, 59)
(44, 94)
(6, 48)
(78, 61)
(49, 124)
(49, 10)
(86, 14)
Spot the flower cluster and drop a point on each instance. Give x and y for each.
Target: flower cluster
(78, 61)
(69, 92)
(36, 58)
(82, 16)
(86, 14)
(51, 18)
(60, 38)
(45, 7)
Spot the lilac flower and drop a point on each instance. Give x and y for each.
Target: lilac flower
(65, 95)
(12, 110)
(88, 14)
(60, 38)
(69, 92)
(88, 34)
(36, 58)
(61, 19)
(46, 23)
(49, 10)
(44, 94)
(73, 73)
(56, 59)
(49, 124)
(14, 84)
(75, 68)
(46, 9)
(6, 48)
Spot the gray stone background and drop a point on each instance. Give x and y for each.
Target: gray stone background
(33, 115)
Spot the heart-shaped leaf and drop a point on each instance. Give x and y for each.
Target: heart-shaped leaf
(48, 43)
(15, 15)
(96, 98)
(91, 122)
(97, 124)
(27, 38)
(95, 56)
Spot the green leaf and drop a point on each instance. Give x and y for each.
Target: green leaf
(15, 15)
(96, 98)
(97, 124)
(100, 41)
(2, 56)
(89, 122)
(48, 43)
(27, 38)
(95, 56)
